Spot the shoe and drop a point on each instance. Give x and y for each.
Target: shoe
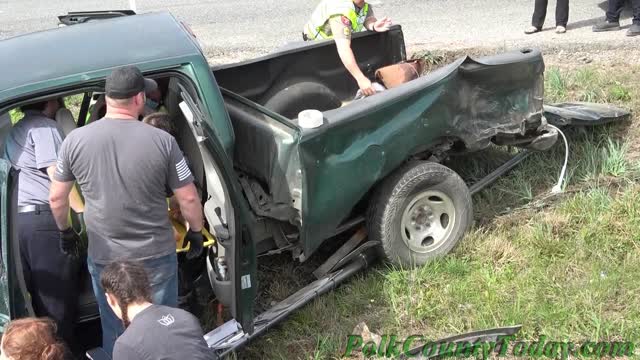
(561, 29)
(606, 25)
(531, 30)
(634, 30)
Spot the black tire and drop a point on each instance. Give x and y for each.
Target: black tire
(401, 195)
(302, 96)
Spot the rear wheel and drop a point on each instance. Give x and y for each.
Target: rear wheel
(419, 213)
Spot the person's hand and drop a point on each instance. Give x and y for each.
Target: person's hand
(196, 240)
(382, 25)
(69, 241)
(365, 85)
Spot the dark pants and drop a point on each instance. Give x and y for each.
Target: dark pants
(615, 8)
(51, 277)
(540, 12)
(163, 276)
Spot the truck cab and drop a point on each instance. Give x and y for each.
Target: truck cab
(72, 63)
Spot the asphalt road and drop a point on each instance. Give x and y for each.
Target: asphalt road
(237, 29)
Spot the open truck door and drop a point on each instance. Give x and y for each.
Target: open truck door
(230, 221)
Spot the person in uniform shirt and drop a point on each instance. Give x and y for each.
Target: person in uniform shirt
(338, 19)
(32, 147)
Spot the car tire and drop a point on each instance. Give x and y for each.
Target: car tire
(302, 96)
(419, 213)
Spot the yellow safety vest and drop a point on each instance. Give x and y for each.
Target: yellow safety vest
(314, 29)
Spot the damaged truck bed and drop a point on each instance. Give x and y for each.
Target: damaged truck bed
(317, 180)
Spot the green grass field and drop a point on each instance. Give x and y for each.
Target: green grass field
(565, 266)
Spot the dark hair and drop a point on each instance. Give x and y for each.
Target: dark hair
(32, 339)
(161, 121)
(128, 282)
(38, 106)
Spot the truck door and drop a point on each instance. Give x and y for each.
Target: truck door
(231, 222)
(6, 234)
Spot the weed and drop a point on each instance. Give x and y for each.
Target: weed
(614, 160)
(618, 92)
(556, 85)
(584, 77)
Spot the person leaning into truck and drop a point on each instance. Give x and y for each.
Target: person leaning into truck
(126, 169)
(32, 148)
(338, 19)
(152, 331)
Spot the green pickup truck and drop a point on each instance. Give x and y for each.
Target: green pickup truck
(270, 184)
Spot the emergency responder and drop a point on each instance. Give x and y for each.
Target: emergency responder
(125, 169)
(32, 147)
(338, 19)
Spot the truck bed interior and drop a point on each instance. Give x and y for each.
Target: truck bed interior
(261, 79)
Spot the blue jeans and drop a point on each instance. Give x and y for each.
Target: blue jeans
(163, 275)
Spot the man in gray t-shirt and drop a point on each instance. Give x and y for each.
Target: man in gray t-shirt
(125, 170)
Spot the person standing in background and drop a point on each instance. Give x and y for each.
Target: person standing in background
(612, 20)
(540, 13)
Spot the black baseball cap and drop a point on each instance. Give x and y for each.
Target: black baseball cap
(127, 81)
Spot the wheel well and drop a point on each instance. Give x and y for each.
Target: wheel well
(436, 150)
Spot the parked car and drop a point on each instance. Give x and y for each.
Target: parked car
(268, 184)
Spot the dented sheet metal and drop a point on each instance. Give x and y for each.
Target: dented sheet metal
(467, 102)
(584, 114)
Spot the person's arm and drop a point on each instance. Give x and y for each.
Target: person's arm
(62, 180)
(349, 61)
(190, 206)
(180, 181)
(47, 141)
(59, 202)
(341, 31)
(75, 201)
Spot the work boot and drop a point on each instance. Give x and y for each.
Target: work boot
(606, 25)
(634, 30)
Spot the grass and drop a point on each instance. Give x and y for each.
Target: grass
(585, 84)
(564, 266)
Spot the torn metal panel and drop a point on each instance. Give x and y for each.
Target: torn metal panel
(469, 101)
(584, 114)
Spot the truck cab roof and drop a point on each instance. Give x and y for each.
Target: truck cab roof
(81, 53)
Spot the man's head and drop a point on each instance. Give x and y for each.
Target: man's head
(48, 108)
(125, 91)
(359, 3)
(125, 283)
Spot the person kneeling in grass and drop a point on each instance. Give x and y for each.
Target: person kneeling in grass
(151, 331)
